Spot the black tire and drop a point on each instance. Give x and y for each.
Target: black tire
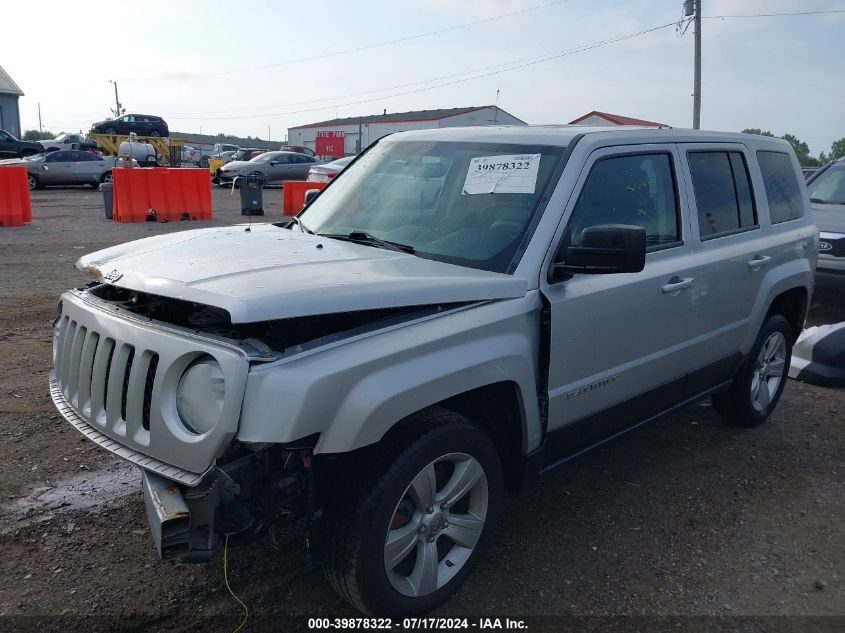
(106, 177)
(355, 522)
(111, 131)
(32, 181)
(204, 162)
(155, 133)
(736, 405)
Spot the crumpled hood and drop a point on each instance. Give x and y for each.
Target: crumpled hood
(273, 273)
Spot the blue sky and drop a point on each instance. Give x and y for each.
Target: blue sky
(783, 73)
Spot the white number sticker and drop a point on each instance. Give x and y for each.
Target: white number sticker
(511, 173)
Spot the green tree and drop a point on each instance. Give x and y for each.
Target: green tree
(802, 150)
(35, 135)
(837, 149)
(756, 130)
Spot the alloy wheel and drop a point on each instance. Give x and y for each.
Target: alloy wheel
(436, 525)
(768, 371)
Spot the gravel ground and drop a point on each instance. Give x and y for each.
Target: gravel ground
(682, 525)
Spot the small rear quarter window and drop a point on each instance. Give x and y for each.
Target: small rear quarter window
(782, 189)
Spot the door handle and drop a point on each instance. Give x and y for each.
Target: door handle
(758, 261)
(676, 284)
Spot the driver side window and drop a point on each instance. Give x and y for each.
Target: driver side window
(634, 189)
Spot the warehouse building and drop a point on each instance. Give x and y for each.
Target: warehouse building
(342, 137)
(10, 116)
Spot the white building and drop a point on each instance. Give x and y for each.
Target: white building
(359, 132)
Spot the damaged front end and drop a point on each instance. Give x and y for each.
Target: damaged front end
(252, 493)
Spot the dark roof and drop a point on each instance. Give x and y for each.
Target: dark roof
(618, 119)
(7, 85)
(400, 117)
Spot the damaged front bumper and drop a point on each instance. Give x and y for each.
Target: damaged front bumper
(182, 520)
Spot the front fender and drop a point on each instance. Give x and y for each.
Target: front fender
(354, 391)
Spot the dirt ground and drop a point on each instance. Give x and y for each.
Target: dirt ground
(683, 523)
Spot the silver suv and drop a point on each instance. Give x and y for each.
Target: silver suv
(457, 313)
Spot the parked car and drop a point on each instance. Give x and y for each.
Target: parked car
(10, 147)
(66, 167)
(141, 124)
(327, 171)
(276, 167)
(299, 149)
(247, 153)
(389, 362)
(827, 195)
(69, 141)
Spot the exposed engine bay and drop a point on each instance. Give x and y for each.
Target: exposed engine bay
(276, 335)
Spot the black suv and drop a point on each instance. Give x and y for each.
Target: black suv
(10, 147)
(141, 124)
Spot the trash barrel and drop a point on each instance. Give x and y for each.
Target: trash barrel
(252, 193)
(108, 198)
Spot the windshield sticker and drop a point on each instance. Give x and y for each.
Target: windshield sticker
(511, 173)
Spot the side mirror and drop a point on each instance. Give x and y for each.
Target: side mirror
(310, 194)
(604, 249)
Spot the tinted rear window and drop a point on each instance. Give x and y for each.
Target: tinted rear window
(722, 193)
(782, 189)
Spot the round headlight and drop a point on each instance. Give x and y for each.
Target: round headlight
(200, 395)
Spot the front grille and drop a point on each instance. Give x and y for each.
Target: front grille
(109, 382)
(118, 374)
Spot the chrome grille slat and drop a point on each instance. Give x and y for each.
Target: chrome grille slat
(114, 397)
(99, 376)
(135, 387)
(64, 355)
(86, 367)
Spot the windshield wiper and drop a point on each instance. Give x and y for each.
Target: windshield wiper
(820, 201)
(362, 237)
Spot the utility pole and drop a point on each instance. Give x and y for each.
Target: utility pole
(40, 129)
(696, 92)
(117, 107)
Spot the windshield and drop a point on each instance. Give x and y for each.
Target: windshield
(470, 204)
(829, 186)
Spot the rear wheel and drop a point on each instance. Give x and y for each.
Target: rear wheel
(155, 133)
(758, 384)
(32, 181)
(401, 538)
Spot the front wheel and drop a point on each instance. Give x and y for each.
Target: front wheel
(106, 177)
(401, 538)
(32, 181)
(758, 384)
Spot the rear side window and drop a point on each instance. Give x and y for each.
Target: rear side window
(723, 193)
(636, 189)
(782, 189)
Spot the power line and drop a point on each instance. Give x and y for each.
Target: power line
(515, 65)
(771, 15)
(351, 50)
